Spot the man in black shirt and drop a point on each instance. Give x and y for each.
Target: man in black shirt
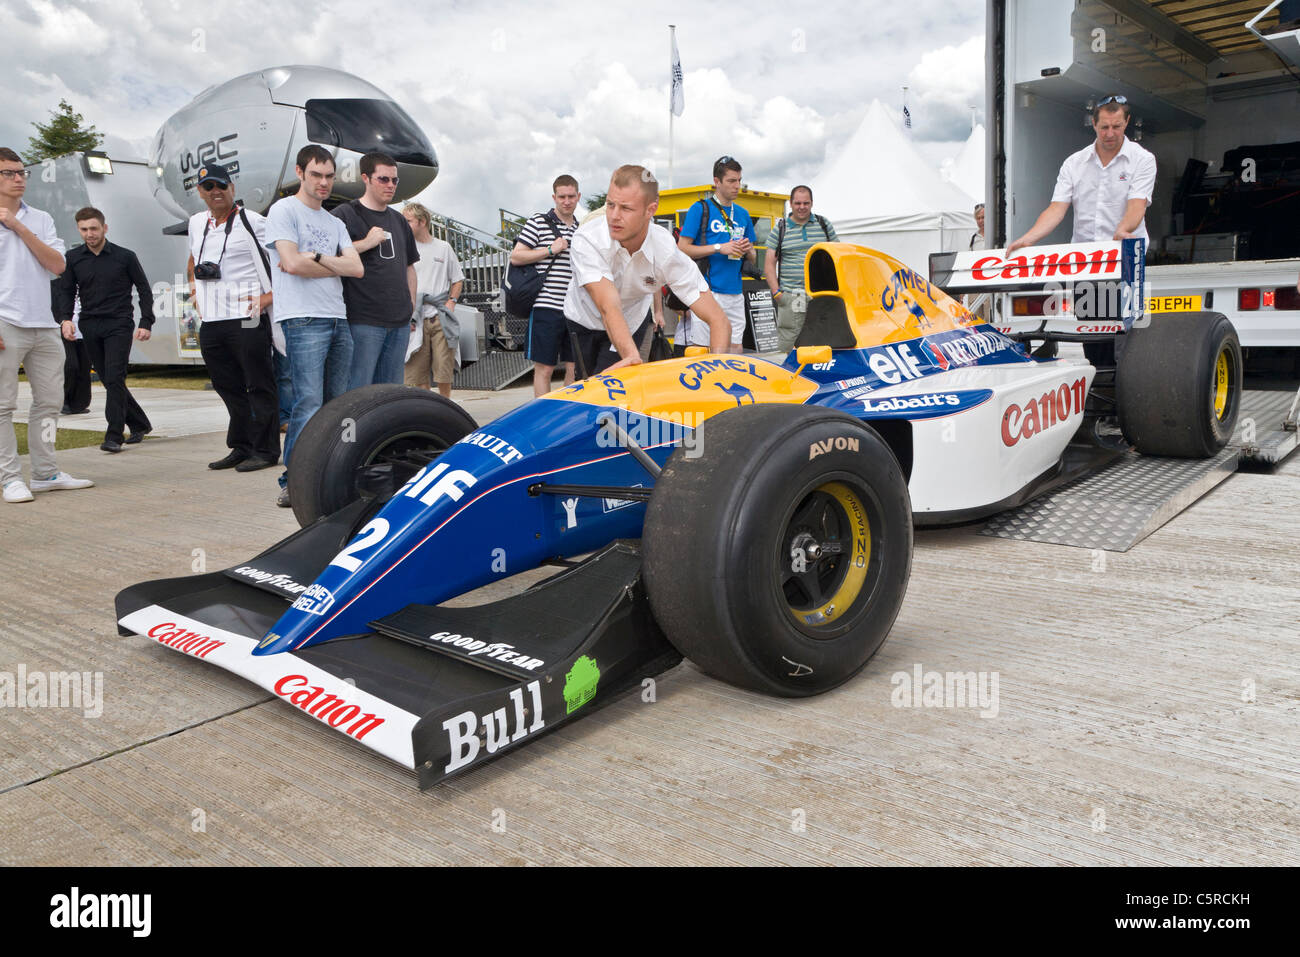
(102, 275)
(379, 304)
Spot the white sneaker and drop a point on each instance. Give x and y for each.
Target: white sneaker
(16, 491)
(60, 480)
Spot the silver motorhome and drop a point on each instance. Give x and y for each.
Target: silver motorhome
(254, 124)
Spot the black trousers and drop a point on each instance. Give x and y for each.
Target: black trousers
(238, 357)
(591, 347)
(76, 375)
(109, 343)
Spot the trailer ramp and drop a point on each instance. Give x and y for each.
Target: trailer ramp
(1116, 507)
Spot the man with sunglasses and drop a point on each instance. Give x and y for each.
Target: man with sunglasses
(1109, 183)
(31, 253)
(720, 233)
(381, 302)
(102, 274)
(232, 291)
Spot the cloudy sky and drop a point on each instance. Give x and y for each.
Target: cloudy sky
(512, 92)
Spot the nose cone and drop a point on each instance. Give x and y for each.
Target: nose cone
(359, 125)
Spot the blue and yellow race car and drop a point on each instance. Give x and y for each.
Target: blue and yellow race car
(752, 513)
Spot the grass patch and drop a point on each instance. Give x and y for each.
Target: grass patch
(160, 377)
(168, 377)
(66, 439)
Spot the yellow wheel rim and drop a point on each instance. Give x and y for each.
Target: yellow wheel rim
(834, 579)
(1221, 385)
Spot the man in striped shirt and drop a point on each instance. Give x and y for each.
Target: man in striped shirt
(788, 246)
(544, 241)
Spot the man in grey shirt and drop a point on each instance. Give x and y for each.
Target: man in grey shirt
(314, 252)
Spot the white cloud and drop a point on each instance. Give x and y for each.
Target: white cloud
(512, 93)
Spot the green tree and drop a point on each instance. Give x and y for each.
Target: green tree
(63, 134)
(596, 201)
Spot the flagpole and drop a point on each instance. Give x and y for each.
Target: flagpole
(672, 45)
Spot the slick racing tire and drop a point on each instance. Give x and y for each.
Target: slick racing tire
(363, 427)
(778, 558)
(1178, 385)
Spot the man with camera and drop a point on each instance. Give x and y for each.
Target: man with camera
(231, 282)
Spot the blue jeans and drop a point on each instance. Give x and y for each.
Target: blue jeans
(320, 361)
(284, 385)
(379, 354)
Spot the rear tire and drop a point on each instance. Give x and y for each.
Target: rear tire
(1178, 385)
(778, 559)
(362, 427)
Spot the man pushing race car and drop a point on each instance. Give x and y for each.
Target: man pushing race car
(773, 501)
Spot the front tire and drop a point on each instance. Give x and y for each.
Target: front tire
(359, 428)
(778, 559)
(1178, 385)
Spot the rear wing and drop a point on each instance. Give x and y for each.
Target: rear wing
(1084, 283)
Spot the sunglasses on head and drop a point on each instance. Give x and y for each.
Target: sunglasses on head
(1121, 100)
(209, 186)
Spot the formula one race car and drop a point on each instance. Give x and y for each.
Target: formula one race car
(773, 500)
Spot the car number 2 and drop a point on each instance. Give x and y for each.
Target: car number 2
(373, 533)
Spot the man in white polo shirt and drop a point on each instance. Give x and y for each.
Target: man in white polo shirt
(31, 254)
(1109, 184)
(618, 262)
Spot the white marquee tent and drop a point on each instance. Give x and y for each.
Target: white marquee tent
(882, 193)
(966, 171)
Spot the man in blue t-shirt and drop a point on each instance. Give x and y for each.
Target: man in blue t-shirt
(719, 231)
(314, 252)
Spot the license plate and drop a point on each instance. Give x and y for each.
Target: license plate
(1174, 304)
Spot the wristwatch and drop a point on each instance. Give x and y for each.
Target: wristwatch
(316, 258)
(717, 247)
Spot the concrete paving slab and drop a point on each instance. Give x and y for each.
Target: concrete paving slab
(1146, 712)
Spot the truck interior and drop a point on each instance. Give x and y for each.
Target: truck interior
(1214, 93)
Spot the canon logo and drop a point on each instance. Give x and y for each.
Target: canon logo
(1049, 409)
(330, 708)
(180, 639)
(1100, 262)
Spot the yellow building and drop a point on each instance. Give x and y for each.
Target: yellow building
(764, 208)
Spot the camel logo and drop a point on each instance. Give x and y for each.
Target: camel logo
(737, 392)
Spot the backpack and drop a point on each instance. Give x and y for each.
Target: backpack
(523, 284)
(670, 298)
(780, 236)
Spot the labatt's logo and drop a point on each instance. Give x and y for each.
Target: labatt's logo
(1051, 408)
(463, 731)
(1098, 262)
(323, 706)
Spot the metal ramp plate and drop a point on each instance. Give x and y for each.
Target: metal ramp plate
(495, 370)
(1260, 435)
(1117, 507)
